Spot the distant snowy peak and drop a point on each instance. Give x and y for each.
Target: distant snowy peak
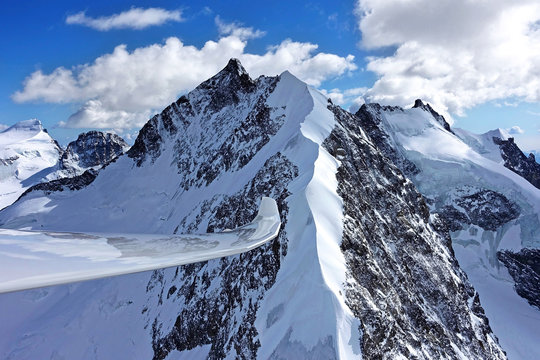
(497, 133)
(499, 146)
(27, 155)
(438, 117)
(92, 149)
(29, 126)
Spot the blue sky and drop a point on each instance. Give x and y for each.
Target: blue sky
(387, 51)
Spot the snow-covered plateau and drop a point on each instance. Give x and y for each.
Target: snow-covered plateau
(393, 226)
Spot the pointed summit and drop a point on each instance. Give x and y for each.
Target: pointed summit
(440, 119)
(233, 72)
(227, 86)
(235, 66)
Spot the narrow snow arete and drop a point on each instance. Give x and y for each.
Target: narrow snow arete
(32, 259)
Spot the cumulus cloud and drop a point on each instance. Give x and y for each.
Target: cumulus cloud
(515, 130)
(121, 89)
(134, 18)
(453, 53)
(354, 97)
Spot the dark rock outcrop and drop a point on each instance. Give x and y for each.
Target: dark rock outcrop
(223, 315)
(92, 149)
(524, 267)
(71, 183)
(486, 208)
(438, 117)
(515, 160)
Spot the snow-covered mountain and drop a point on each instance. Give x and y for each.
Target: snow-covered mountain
(27, 155)
(30, 156)
(485, 191)
(360, 268)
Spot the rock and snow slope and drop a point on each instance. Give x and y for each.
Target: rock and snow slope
(91, 150)
(359, 268)
(473, 183)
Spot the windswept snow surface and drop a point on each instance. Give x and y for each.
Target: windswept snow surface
(449, 164)
(303, 315)
(314, 315)
(27, 155)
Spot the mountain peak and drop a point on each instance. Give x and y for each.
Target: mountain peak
(235, 66)
(418, 103)
(92, 149)
(33, 125)
(232, 77)
(498, 133)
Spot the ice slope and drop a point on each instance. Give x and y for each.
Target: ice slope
(27, 155)
(303, 313)
(450, 165)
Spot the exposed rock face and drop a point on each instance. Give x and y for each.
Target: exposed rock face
(369, 116)
(485, 208)
(68, 183)
(220, 299)
(483, 202)
(515, 160)
(92, 149)
(404, 283)
(524, 266)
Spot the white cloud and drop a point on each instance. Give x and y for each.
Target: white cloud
(94, 115)
(121, 89)
(514, 130)
(237, 30)
(353, 97)
(134, 18)
(454, 54)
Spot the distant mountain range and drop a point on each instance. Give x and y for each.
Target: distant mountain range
(29, 155)
(402, 237)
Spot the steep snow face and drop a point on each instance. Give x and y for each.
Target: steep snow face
(320, 290)
(27, 155)
(91, 150)
(487, 206)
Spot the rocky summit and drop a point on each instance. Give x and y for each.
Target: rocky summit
(92, 149)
